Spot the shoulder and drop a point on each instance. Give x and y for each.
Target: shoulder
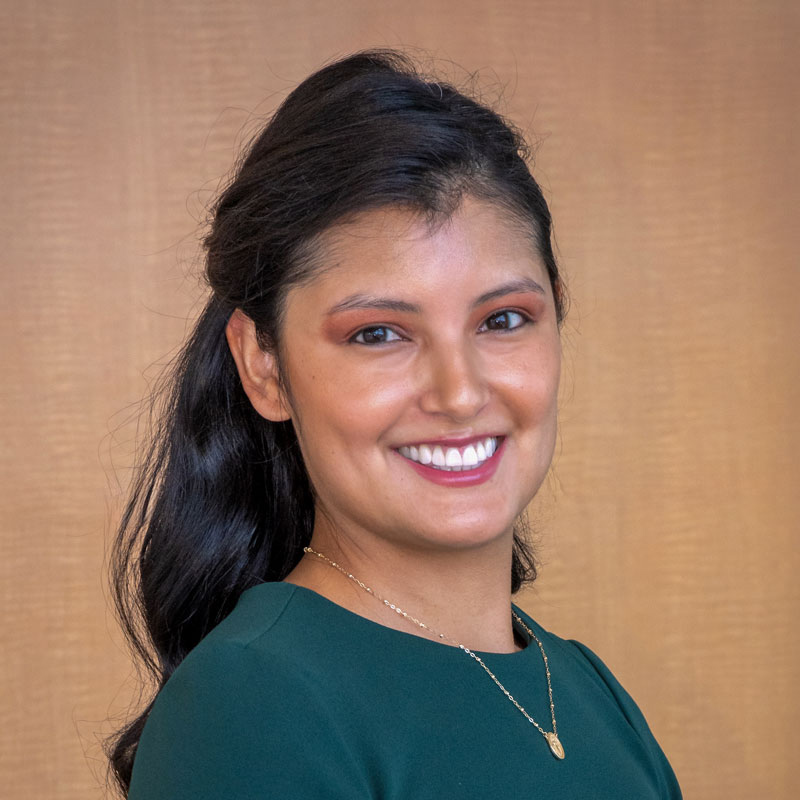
(581, 660)
(578, 656)
(630, 710)
(232, 720)
(594, 684)
(604, 677)
(258, 612)
(240, 653)
(249, 664)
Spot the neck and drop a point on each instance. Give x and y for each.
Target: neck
(464, 594)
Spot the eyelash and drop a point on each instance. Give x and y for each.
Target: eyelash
(354, 339)
(525, 320)
(524, 317)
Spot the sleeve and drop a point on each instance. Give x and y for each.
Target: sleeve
(668, 783)
(227, 725)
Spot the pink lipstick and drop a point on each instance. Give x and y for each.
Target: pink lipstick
(463, 478)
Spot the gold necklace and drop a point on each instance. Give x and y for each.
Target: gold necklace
(550, 736)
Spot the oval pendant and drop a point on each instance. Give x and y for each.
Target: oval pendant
(555, 745)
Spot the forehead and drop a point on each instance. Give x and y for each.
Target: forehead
(398, 247)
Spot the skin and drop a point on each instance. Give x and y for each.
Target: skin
(451, 369)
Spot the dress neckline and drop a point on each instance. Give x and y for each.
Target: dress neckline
(412, 639)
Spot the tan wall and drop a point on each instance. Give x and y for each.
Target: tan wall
(669, 528)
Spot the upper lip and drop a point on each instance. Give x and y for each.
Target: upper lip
(453, 441)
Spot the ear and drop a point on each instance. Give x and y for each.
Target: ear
(258, 370)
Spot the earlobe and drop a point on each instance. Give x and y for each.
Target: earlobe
(257, 368)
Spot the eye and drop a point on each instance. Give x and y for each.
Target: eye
(376, 334)
(506, 320)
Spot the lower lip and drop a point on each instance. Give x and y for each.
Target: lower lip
(470, 477)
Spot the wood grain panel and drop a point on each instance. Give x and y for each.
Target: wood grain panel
(668, 527)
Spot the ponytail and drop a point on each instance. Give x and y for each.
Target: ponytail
(220, 503)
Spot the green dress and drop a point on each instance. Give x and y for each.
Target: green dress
(293, 696)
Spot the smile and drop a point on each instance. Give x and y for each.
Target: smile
(452, 459)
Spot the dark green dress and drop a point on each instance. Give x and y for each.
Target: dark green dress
(292, 696)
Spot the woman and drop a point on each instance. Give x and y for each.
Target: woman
(325, 536)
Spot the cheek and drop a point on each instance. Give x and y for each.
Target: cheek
(532, 385)
(377, 395)
(338, 407)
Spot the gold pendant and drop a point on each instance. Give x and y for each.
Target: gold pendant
(555, 745)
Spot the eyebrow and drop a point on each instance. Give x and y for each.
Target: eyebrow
(512, 287)
(361, 301)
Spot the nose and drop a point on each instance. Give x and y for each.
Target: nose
(454, 383)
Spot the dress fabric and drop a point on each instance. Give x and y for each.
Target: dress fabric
(294, 696)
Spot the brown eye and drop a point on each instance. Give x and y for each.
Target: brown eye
(377, 334)
(506, 320)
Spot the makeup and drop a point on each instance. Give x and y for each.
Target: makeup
(463, 478)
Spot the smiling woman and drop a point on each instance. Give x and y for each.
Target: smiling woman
(421, 360)
(324, 538)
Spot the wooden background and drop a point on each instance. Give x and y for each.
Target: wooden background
(668, 150)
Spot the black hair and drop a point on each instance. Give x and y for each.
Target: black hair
(221, 500)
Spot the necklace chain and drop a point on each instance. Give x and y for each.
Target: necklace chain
(552, 737)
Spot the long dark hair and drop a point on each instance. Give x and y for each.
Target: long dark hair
(221, 500)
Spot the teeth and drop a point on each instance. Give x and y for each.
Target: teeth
(451, 459)
(470, 457)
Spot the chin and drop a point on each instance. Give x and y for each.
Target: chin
(468, 534)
